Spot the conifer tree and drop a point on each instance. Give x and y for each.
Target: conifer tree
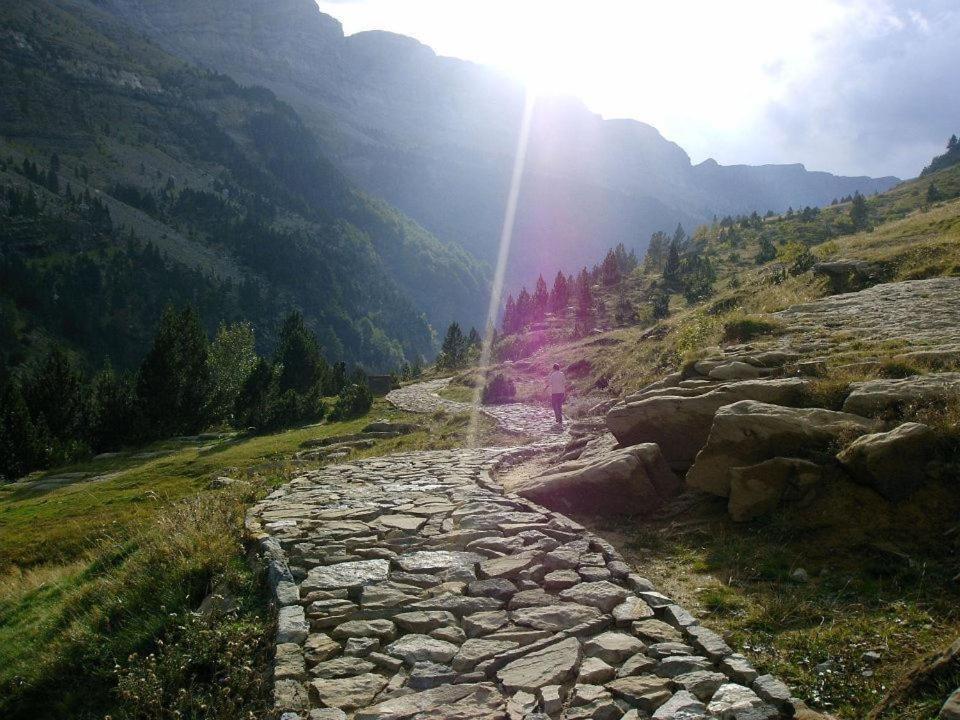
(541, 299)
(53, 391)
(671, 266)
(454, 349)
(858, 211)
(473, 339)
(558, 296)
(20, 449)
(299, 362)
(174, 378)
(610, 269)
(510, 315)
(113, 410)
(524, 309)
(252, 407)
(584, 296)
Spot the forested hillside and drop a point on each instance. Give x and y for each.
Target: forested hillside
(130, 180)
(436, 136)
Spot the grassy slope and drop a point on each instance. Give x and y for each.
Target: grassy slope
(881, 579)
(94, 571)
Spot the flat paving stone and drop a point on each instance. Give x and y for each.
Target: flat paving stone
(419, 591)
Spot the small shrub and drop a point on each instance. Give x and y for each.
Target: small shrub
(699, 331)
(897, 369)
(499, 390)
(580, 368)
(743, 328)
(353, 401)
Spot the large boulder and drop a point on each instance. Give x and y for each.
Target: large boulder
(626, 481)
(680, 425)
(892, 463)
(846, 275)
(749, 432)
(758, 489)
(872, 397)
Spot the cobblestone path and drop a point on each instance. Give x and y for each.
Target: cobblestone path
(519, 418)
(412, 587)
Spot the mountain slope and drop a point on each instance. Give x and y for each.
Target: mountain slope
(436, 136)
(226, 182)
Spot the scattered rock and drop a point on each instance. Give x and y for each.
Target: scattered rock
(756, 490)
(680, 425)
(873, 397)
(892, 463)
(749, 432)
(628, 481)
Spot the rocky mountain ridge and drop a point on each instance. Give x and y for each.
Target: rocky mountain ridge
(436, 136)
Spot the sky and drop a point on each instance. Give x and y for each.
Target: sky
(856, 87)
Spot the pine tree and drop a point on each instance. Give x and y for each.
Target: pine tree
(952, 143)
(933, 193)
(660, 304)
(510, 316)
(473, 339)
(174, 378)
(53, 391)
(20, 450)
(454, 349)
(298, 360)
(858, 211)
(656, 249)
(541, 299)
(252, 405)
(671, 266)
(524, 309)
(114, 413)
(767, 251)
(610, 269)
(558, 296)
(584, 296)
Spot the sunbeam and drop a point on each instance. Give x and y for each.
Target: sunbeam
(506, 238)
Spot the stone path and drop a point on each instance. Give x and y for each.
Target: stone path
(518, 418)
(411, 586)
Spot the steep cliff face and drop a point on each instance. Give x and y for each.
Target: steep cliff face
(227, 183)
(436, 136)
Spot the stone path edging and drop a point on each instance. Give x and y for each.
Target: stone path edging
(411, 586)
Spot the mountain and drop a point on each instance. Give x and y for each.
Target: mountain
(436, 136)
(130, 179)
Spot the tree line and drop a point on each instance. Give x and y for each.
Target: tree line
(567, 293)
(51, 414)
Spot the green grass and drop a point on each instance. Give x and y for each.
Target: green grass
(100, 578)
(880, 578)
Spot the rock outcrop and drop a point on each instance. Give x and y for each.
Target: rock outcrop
(756, 490)
(874, 397)
(749, 432)
(632, 480)
(893, 463)
(679, 420)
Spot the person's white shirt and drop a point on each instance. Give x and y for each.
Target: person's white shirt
(558, 382)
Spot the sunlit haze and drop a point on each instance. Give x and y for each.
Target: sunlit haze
(745, 82)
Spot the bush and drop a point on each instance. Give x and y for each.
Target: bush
(746, 327)
(499, 390)
(581, 368)
(353, 401)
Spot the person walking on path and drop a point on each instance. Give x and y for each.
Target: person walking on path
(557, 383)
